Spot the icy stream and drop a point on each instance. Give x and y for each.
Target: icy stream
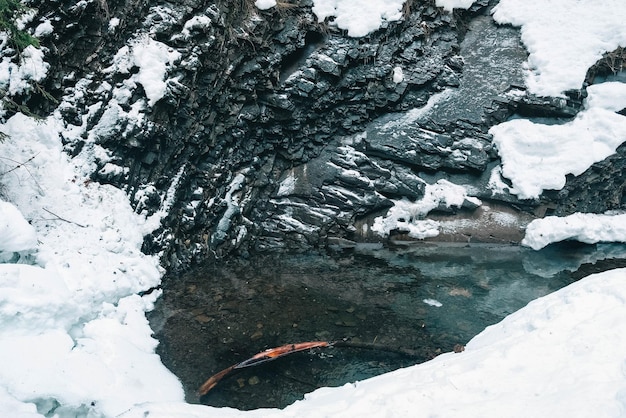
(426, 298)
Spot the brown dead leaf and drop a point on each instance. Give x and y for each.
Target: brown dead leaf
(460, 291)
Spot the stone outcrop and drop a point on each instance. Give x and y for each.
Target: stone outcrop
(278, 132)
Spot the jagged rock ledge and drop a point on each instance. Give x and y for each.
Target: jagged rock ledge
(281, 133)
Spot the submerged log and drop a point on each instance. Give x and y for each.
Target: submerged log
(262, 357)
(213, 380)
(378, 347)
(283, 350)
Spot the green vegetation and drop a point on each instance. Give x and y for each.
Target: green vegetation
(17, 40)
(10, 11)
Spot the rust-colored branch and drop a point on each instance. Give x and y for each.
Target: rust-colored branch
(213, 380)
(262, 357)
(378, 347)
(283, 350)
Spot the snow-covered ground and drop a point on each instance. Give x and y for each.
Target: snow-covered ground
(74, 338)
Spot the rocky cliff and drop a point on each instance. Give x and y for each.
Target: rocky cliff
(273, 131)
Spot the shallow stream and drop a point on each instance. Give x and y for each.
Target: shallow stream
(406, 304)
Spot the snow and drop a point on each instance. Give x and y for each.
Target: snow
(450, 5)
(564, 38)
(408, 216)
(265, 4)
(74, 339)
(415, 114)
(16, 78)
(433, 302)
(73, 288)
(195, 23)
(610, 96)
(537, 157)
(44, 28)
(584, 227)
(358, 17)
(18, 235)
(153, 58)
(398, 75)
(114, 22)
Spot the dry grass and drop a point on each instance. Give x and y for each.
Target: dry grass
(407, 8)
(611, 63)
(285, 5)
(616, 60)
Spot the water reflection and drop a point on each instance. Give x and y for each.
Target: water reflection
(424, 298)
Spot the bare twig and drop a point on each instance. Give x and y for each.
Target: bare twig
(63, 219)
(18, 164)
(378, 347)
(23, 165)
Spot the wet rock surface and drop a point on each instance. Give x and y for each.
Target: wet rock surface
(272, 131)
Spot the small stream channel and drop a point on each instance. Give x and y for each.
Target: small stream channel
(425, 298)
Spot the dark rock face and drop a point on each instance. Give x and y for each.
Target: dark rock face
(597, 190)
(279, 132)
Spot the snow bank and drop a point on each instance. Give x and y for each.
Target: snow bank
(584, 227)
(610, 96)
(519, 367)
(359, 17)
(17, 234)
(537, 157)
(564, 38)
(73, 330)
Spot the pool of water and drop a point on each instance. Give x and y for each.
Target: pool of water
(393, 307)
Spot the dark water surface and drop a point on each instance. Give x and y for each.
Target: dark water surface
(421, 300)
